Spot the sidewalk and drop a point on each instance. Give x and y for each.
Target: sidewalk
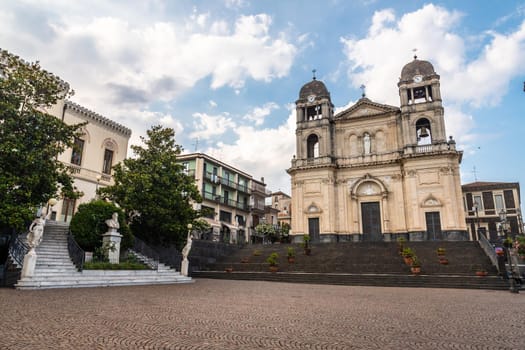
(222, 314)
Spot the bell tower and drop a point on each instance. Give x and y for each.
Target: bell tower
(421, 108)
(314, 132)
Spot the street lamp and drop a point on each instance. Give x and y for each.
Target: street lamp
(98, 182)
(51, 203)
(508, 250)
(475, 209)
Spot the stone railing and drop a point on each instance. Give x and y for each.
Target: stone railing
(319, 161)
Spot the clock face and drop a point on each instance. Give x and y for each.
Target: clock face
(418, 78)
(311, 98)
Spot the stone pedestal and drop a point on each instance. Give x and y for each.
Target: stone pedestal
(184, 267)
(28, 270)
(112, 239)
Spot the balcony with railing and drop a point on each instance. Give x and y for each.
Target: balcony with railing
(84, 173)
(227, 182)
(257, 187)
(319, 161)
(225, 201)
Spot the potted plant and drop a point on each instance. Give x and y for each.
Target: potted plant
(272, 261)
(441, 251)
(416, 265)
(228, 269)
(291, 255)
(306, 245)
(499, 251)
(443, 260)
(481, 272)
(408, 255)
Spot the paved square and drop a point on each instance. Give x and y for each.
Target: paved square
(219, 314)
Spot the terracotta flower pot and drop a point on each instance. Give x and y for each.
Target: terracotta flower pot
(274, 268)
(415, 270)
(291, 260)
(481, 273)
(228, 269)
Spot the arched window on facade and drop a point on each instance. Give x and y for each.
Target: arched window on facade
(423, 132)
(312, 146)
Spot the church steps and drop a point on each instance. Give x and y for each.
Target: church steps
(379, 280)
(363, 263)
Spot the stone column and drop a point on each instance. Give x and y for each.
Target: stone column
(112, 240)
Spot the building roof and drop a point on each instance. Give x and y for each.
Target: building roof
(417, 67)
(92, 116)
(486, 185)
(280, 193)
(315, 87)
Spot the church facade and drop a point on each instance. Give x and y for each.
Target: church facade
(375, 172)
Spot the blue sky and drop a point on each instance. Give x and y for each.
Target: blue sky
(227, 73)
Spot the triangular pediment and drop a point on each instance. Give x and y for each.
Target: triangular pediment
(364, 108)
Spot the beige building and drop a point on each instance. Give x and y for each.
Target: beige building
(488, 205)
(282, 202)
(376, 172)
(234, 199)
(103, 144)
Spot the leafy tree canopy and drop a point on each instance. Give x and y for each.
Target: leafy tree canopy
(154, 191)
(30, 140)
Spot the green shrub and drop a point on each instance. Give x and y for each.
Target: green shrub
(272, 259)
(103, 265)
(89, 224)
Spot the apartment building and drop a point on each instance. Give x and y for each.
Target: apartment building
(492, 207)
(232, 199)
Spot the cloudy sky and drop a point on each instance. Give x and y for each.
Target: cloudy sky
(225, 74)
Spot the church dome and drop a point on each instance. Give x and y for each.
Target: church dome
(417, 67)
(315, 87)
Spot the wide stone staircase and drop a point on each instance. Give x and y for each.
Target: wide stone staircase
(54, 268)
(363, 263)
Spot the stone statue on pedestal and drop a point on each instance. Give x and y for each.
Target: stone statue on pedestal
(185, 252)
(187, 248)
(34, 238)
(36, 231)
(112, 223)
(112, 238)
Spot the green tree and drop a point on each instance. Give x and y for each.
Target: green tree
(268, 230)
(154, 191)
(30, 140)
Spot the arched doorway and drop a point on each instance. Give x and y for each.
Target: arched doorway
(370, 196)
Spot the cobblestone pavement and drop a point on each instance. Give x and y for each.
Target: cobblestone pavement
(221, 314)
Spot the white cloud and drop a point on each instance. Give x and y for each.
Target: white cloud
(212, 103)
(262, 152)
(431, 30)
(427, 29)
(207, 125)
(258, 114)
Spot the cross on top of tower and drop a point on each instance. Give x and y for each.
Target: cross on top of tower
(363, 87)
(313, 72)
(415, 50)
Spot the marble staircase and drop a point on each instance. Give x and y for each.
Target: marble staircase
(54, 268)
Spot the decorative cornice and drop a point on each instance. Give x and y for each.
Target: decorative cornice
(366, 102)
(92, 116)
